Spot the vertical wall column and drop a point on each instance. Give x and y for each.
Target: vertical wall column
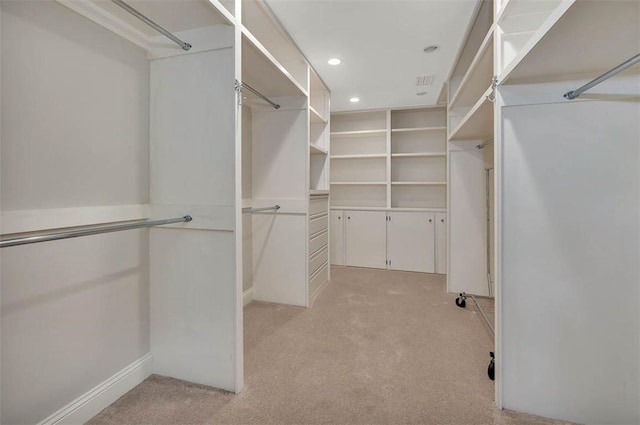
(194, 291)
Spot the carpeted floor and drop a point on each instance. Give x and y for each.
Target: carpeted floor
(378, 347)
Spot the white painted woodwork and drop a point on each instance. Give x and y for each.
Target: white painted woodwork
(570, 201)
(258, 19)
(193, 292)
(317, 260)
(280, 258)
(476, 34)
(193, 306)
(557, 44)
(337, 239)
(389, 159)
(366, 239)
(318, 242)
(467, 223)
(183, 173)
(317, 281)
(279, 154)
(410, 241)
(441, 243)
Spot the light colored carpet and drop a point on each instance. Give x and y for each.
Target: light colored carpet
(378, 347)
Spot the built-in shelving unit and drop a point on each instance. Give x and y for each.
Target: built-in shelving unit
(389, 159)
(318, 133)
(542, 40)
(470, 110)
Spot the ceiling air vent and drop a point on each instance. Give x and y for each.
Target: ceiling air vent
(424, 80)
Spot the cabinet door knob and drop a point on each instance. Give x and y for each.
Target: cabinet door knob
(442, 220)
(339, 217)
(430, 220)
(348, 218)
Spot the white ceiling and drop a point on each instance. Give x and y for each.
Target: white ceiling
(380, 43)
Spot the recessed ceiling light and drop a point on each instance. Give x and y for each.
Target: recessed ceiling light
(334, 61)
(421, 93)
(431, 49)
(354, 100)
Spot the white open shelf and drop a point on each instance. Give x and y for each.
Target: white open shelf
(359, 133)
(389, 159)
(363, 156)
(561, 45)
(417, 130)
(478, 121)
(316, 118)
(264, 73)
(419, 155)
(477, 77)
(359, 183)
(420, 183)
(317, 150)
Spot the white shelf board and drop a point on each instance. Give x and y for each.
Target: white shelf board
(359, 133)
(479, 74)
(316, 118)
(417, 129)
(419, 155)
(419, 183)
(318, 192)
(565, 46)
(477, 124)
(263, 72)
(362, 156)
(361, 208)
(359, 183)
(317, 150)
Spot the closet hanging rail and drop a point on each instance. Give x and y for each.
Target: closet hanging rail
(252, 210)
(134, 12)
(488, 210)
(257, 93)
(483, 144)
(577, 92)
(67, 234)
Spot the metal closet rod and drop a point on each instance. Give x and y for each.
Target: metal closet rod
(260, 95)
(577, 92)
(252, 210)
(482, 145)
(134, 12)
(67, 234)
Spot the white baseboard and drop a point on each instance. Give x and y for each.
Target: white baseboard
(247, 296)
(92, 402)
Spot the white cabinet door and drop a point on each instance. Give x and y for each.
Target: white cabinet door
(366, 239)
(441, 243)
(411, 241)
(336, 242)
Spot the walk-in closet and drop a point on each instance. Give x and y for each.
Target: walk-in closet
(310, 212)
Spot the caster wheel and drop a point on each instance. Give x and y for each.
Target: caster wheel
(460, 302)
(491, 368)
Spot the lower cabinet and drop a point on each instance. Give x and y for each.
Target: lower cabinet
(410, 242)
(366, 239)
(441, 243)
(336, 237)
(397, 240)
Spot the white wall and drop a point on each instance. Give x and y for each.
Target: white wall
(74, 134)
(570, 251)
